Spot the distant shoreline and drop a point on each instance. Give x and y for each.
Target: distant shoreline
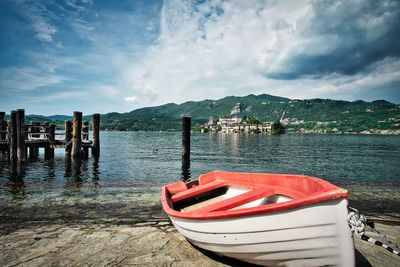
(305, 133)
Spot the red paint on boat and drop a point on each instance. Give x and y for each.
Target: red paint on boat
(304, 190)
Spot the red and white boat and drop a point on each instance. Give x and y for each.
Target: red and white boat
(265, 219)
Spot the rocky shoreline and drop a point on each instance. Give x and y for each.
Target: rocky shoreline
(154, 242)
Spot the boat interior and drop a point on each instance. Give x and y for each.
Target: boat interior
(222, 191)
(226, 193)
(219, 196)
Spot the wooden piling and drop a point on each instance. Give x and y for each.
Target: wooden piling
(185, 170)
(3, 131)
(13, 137)
(76, 135)
(186, 125)
(33, 149)
(3, 126)
(85, 137)
(51, 136)
(21, 146)
(96, 135)
(68, 136)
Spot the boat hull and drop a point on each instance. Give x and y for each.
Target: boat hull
(312, 235)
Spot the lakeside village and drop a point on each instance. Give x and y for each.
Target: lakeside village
(236, 124)
(233, 123)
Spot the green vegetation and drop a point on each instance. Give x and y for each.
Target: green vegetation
(310, 115)
(98, 221)
(115, 222)
(251, 120)
(277, 128)
(137, 220)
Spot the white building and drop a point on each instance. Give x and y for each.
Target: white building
(229, 120)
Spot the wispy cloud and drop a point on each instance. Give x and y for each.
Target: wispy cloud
(78, 6)
(26, 79)
(57, 96)
(44, 20)
(40, 18)
(132, 99)
(80, 51)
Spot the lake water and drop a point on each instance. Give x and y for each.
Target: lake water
(125, 182)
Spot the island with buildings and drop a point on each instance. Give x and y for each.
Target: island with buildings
(234, 123)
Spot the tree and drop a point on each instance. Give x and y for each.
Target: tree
(252, 120)
(277, 128)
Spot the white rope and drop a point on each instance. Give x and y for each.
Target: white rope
(357, 222)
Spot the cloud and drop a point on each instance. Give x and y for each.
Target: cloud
(19, 79)
(78, 6)
(132, 99)
(343, 37)
(44, 19)
(303, 49)
(141, 53)
(40, 18)
(81, 27)
(58, 96)
(87, 50)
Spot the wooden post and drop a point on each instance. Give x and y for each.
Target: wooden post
(76, 135)
(47, 146)
(68, 136)
(13, 137)
(51, 136)
(186, 125)
(85, 137)
(34, 149)
(8, 139)
(185, 170)
(96, 135)
(3, 130)
(3, 126)
(21, 147)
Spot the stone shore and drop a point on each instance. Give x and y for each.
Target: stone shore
(153, 243)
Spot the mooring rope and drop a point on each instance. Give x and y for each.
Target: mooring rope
(358, 222)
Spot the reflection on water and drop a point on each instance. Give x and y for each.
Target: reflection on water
(76, 173)
(51, 174)
(128, 167)
(95, 172)
(16, 185)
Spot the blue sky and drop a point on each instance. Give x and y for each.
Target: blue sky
(104, 56)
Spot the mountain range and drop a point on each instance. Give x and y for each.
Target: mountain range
(309, 115)
(316, 115)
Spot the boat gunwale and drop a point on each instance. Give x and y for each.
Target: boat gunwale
(328, 192)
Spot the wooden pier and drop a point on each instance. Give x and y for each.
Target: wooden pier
(19, 140)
